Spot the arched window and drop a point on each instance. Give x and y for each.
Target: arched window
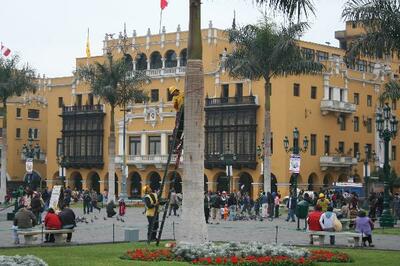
(136, 185)
(141, 62)
(171, 59)
(183, 57)
(245, 186)
(155, 181)
(128, 61)
(155, 60)
(95, 182)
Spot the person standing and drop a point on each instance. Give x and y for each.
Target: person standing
(215, 209)
(364, 225)
(37, 206)
(323, 202)
(152, 202)
(67, 218)
(396, 206)
(291, 205)
(277, 203)
(173, 203)
(93, 196)
(232, 202)
(264, 205)
(122, 207)
(206, 206)
(86, 202)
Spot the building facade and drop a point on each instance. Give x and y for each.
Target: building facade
(335, 110)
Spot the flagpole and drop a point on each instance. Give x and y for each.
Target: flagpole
(160, 20)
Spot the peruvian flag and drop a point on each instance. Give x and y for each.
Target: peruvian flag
(5, 51)
(163, 4)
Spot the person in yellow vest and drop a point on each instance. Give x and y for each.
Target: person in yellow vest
(178, 101)
(151, 202)
(323, 202)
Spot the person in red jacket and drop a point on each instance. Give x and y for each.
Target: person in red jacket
(51, 222)
(313, 220)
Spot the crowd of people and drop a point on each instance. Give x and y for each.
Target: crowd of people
(34, 210)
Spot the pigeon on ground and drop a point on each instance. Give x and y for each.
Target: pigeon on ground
(117, 218)
(104, 218)
(122, 220)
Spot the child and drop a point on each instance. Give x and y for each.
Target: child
(226, 212)
(122, 207)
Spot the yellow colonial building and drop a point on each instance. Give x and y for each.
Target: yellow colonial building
(335, 110)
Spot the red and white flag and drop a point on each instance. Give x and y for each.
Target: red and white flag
(5, 51)
(163, 4)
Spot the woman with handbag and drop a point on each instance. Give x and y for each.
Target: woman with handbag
(364, 225)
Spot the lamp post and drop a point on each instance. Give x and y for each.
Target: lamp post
(386, 124)
(124, 194)
(229, 159)
(295, 151)
(367, 159)
(31, 152)
(61, 169)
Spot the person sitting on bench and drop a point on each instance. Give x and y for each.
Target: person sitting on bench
(24, 219)
(327, 223)
(110, 209)
(67, 217)
(52, 222)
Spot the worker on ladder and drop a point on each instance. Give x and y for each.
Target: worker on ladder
(178, 101)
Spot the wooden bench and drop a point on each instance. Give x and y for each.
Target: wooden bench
(29, 235)
(318, 237)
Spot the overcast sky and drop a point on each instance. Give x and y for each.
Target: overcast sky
(50, 34)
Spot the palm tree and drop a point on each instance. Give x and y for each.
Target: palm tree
(116, 84)
(264, 51)
(14, 81)
(193, 227)
(381, 21)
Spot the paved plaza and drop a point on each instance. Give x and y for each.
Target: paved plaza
(278, 230)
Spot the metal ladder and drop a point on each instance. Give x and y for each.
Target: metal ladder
(178, 151)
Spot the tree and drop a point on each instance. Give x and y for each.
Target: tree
(116, 84)
(264, 51)
(381, 22)
(14, 81)
(193, 227)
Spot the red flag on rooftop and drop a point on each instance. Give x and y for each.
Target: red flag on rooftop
(164, 4)
(5, 51)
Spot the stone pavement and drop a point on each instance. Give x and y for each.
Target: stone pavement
(278, 230)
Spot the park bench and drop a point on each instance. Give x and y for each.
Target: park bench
(318, 237)
(29, 235)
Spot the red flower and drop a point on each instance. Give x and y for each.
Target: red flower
(218, 260)
(234, 260)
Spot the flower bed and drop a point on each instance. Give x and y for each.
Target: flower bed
(238, 254)
(27, 260)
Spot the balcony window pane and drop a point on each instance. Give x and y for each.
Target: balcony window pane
(135, 145)
(154, 145)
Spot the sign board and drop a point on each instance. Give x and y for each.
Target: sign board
(55, 196)
(294, 163)
(29, 165)
(368, 171)
(228, 170)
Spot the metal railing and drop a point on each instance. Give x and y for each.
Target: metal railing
(231, 100)
(84, 108)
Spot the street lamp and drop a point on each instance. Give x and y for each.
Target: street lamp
(124, 194)
(295, 151)
(61, 173)
(30, 153)
(386, 124)
(228, 159)
(367, 159)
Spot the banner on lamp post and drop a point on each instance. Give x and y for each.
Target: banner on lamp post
(29, 165)
(294, 163)
(228, 170)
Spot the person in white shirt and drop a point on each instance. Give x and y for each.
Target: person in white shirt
(327, 222)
